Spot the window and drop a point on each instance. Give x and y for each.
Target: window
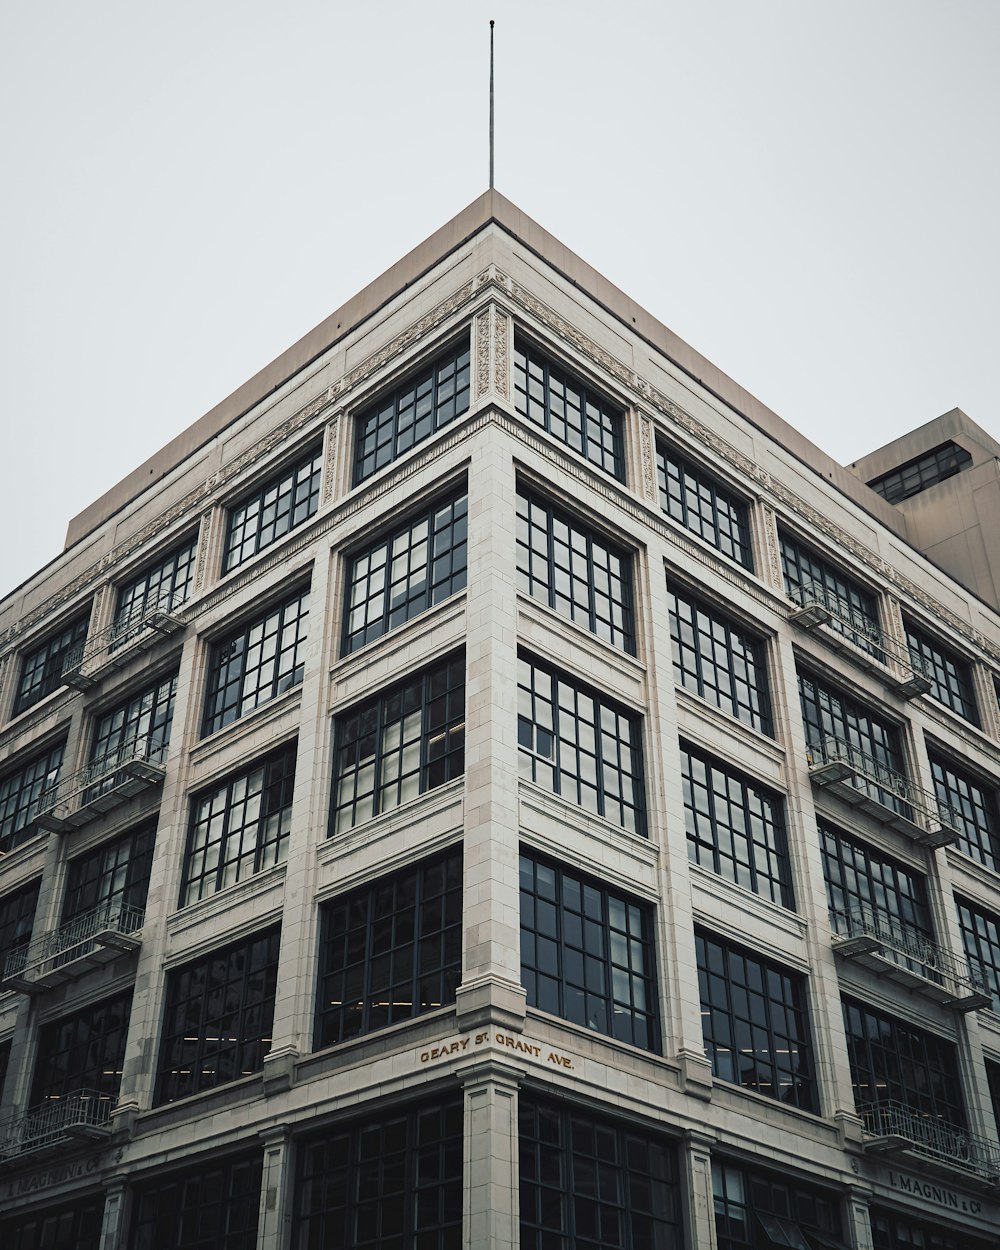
(391, 1183)
(21, 794)
(591, 1182)
(139, 728)
(872, 742)
(926, 470)
(17, 915)
(973, 807)
(565, 406)
(949, 673)
(4, 1064)
(981, 937)
(240, 826)
(695, 500)
(113, 877)
(73, 1226)
(213, 1206)
(992, 1079)
(719, 660)
(735, 827)
(864, 884)
(41, 668)
(580, 744)
(256, 662)
(571, 568)
(892, 1231)
(409, 570)
(84, 1051)
(423, 404)
(218, 1017)
(892, 1061)
(749, 1202)
(406, 741)
(808, 577)
(587, 953)
(272, 509)
(753, 1016)
(165, 585)
(391, 950)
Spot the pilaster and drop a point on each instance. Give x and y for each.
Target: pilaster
(490, 1180)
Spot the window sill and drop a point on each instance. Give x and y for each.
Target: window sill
(223, 901)
(236, 731)
(715, 890)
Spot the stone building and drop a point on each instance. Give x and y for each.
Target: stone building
(492, 783)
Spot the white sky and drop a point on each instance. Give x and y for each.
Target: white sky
(806, 191)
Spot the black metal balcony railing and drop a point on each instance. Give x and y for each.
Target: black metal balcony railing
(90, 939)
(894, 1128)
(903, 953)
(112, 647)
(104, 783)
(816, 604)
(84, 1115)
(866, 782)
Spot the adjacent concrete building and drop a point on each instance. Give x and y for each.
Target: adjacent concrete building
(492, 783)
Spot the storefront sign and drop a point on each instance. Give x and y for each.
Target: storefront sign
(511, 1043)
(25, 1186)
(933, 1193)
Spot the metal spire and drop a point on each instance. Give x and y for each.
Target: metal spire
(491, 104)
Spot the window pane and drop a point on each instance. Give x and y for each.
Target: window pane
(754, 1022)
(690, 496)
(574, 570)
(279, 505)
(423, 404)
(561, 403)
(42, 667)
(592, 950)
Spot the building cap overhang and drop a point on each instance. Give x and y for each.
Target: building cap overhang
(490, 208)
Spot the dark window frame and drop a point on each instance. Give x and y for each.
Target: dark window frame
(697, 500)
(398, 753)
(114, 875)
(541, 385)
(950, 673)
(829, 712)
(859, 878)
(21, 791)
(391, 1180)
(80, 1054)
(738, 686)
(591, 1180)
(249, 652)
(401, 933)
(147, 714)
(887, 1050)
(743, 1194)
(260, 841)
(926, 470)
(980, 929)
(164, 584)
(17, 918)
(976, 804)
(593, 947)
(264, 514)
(571, 567)
(762, 1026)
(582, 764)
(75, 1224)
(371, 571)
(214, 1202)
(859, 619)
(250, 960)
(428, 398)
(759, 830)
(45, 661)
